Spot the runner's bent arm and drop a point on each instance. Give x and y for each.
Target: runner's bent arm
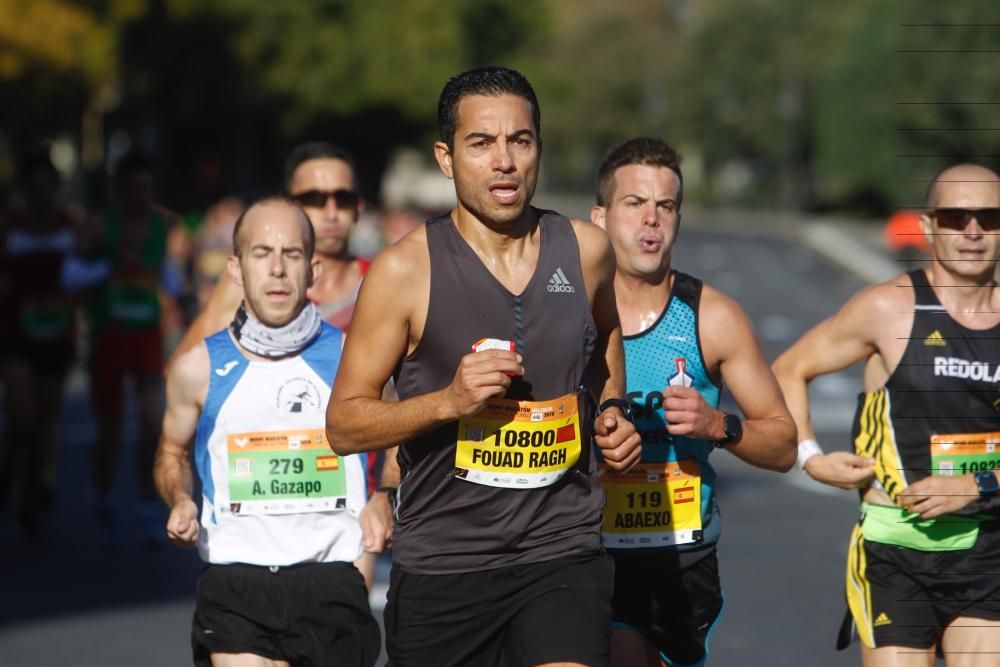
(768, 431)
(187, 383)
(832, 345)
(620, 444)
(217, 314)
(396, 285)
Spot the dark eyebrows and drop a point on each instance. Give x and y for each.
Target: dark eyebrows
(479, 135)
(492, 137)
(665, 200)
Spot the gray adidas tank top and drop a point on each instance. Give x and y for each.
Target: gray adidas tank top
(446, 524)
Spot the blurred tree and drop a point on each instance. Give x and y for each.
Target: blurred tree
(601, 75)
(800, 105)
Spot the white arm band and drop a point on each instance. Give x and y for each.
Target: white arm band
(807, 449)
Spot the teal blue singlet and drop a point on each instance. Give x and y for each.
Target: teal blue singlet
(669, 352)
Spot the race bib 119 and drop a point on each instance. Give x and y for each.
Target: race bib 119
(653, 505)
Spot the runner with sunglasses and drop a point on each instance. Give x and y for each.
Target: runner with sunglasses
(321, 178)
(922, 562)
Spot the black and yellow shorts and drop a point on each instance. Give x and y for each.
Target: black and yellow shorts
(904, 597)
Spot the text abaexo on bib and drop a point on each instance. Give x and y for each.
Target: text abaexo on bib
(653, 505)
(519, 444)
(964, 453)
(284, 472)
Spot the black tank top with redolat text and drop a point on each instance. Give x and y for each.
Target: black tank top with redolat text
(446, 524)
(947, 382)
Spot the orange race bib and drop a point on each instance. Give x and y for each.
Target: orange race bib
(653, 505)
(964, 453)
(519, 444)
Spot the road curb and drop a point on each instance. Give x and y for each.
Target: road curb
(844, 249)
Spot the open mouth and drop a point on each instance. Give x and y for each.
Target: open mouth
(505, 193)
(650, 243)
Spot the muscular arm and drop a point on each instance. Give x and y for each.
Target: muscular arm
(768, 431)
(187, 383)
(620, 444)
(218, 313)
(607, 370)
(845, 338)
(357, 418)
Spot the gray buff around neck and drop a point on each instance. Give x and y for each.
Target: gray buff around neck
(258, 338)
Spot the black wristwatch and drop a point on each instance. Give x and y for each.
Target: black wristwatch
(390, 492)
(987, 482)
(732, 426)
(627, 407)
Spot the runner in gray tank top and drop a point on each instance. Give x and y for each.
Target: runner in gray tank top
(500, 326)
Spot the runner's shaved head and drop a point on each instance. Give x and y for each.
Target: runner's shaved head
(965, 176)
(260, 207)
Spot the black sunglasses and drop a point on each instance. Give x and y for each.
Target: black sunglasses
(958, 218)
(318, 198)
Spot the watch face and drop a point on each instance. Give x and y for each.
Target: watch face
(987, 482)
(733, 427)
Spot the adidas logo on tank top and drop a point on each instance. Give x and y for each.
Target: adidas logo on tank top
(560, 283)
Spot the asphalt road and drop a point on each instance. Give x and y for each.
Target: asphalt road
(76, 601)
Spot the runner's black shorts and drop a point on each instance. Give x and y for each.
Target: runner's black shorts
(673, 598)
(307, 614)
(905, 597)
(515, 616)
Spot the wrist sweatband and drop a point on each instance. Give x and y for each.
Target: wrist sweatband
(807, 449)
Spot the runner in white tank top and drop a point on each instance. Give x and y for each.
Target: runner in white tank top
(279, 522)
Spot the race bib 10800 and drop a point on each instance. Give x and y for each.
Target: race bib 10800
(519, 444)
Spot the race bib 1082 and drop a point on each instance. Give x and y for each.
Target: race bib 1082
(964, 453)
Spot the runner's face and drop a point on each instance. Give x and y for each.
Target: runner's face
(273, 270)
(333, 224)
(971, 252)
(494, 162)
(642, 219)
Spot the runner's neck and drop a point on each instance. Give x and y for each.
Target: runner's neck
(641, 300)
(973, 302)
(338, 277)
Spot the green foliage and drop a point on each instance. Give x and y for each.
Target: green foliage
(818, 104)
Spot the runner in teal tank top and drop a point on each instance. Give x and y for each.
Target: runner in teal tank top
(683, 340)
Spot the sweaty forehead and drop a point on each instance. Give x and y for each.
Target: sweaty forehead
(274, 223)
(965, 186)
(647, 180)
(493, 114)
(325, 174)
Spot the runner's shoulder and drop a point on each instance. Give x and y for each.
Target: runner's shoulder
(188, 375)
(882, 302)
(402, 262)
(595, 246)
(721, 317)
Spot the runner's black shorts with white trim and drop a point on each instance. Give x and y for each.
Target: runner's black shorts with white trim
(307, 614)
